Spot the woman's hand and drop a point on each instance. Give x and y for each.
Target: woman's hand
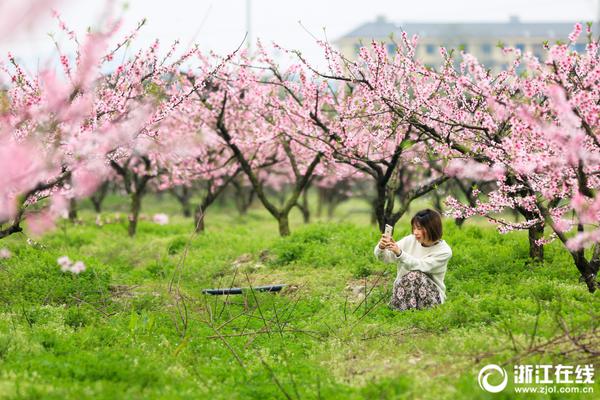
(393, 247)
(384, 242)
(387, 242)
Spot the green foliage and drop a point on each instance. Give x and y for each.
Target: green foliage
(33, 276)
(177, 244)
(329, 246)
(114, 330)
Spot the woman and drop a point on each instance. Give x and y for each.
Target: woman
(422, 260)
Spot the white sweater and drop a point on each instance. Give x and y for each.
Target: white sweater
(432, 260)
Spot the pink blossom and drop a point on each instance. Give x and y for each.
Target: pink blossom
(59, 206)
(17, 15)
(55, 92)
(90, 57)
(5, 253)
(78, 267)
(22, 168)
(160, 219)
(63, 260)
(583, 240)
(40, 222)
(562, 225)
(66, 265)
(573, 36)
(469, 169)
(86, 181)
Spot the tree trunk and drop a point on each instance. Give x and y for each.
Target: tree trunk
(284, 225)
(536, 251)
(305, 210)
(239, 203)
(187, 208)
(437, 202)
(379, 207)
(72, 210)
(97, 205)
(282, 194)
(585, 269)
(384, 209)
(199, 219)
(245, 203)
(185, 202)
(98, 197)
(183, 198)
(136, 205)
(374, 216)
(243, 200)
(330, 208)
(319, 202)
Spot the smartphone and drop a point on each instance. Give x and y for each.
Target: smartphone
(388, 230)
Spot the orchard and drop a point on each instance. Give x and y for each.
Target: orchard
(131, 181)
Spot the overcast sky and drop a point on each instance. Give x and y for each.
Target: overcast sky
(221, 25)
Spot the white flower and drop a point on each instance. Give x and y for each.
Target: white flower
(78, 267)
(66, 265)
(161, 219)
(64, 261)
(5, 253)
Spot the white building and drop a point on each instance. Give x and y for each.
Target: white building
(481, 39)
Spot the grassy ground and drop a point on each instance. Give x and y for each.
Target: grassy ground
(118, 331)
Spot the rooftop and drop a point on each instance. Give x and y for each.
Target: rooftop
(514, 27)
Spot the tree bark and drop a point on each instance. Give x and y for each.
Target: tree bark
(209, 199)
(384, 203)
(536, 251)
(199, 219)
(243, 199)
(136, 205)
(437, 201)
(184, 199)
(585, 269)
(186, 208)
(330, 208)
(304, 207)
(319, 202)
(378, 206)
(72, 209)
(98, 197)
(284, 225)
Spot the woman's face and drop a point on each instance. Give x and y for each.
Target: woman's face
(420, 234)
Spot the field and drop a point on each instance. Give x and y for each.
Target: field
(136, 325)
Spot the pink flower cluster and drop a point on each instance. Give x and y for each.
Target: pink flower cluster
(66, 265)
(5, 253)
(160, 219)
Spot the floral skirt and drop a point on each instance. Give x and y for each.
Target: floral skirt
(414, 290)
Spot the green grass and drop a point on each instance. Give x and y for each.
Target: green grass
(115, 331)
